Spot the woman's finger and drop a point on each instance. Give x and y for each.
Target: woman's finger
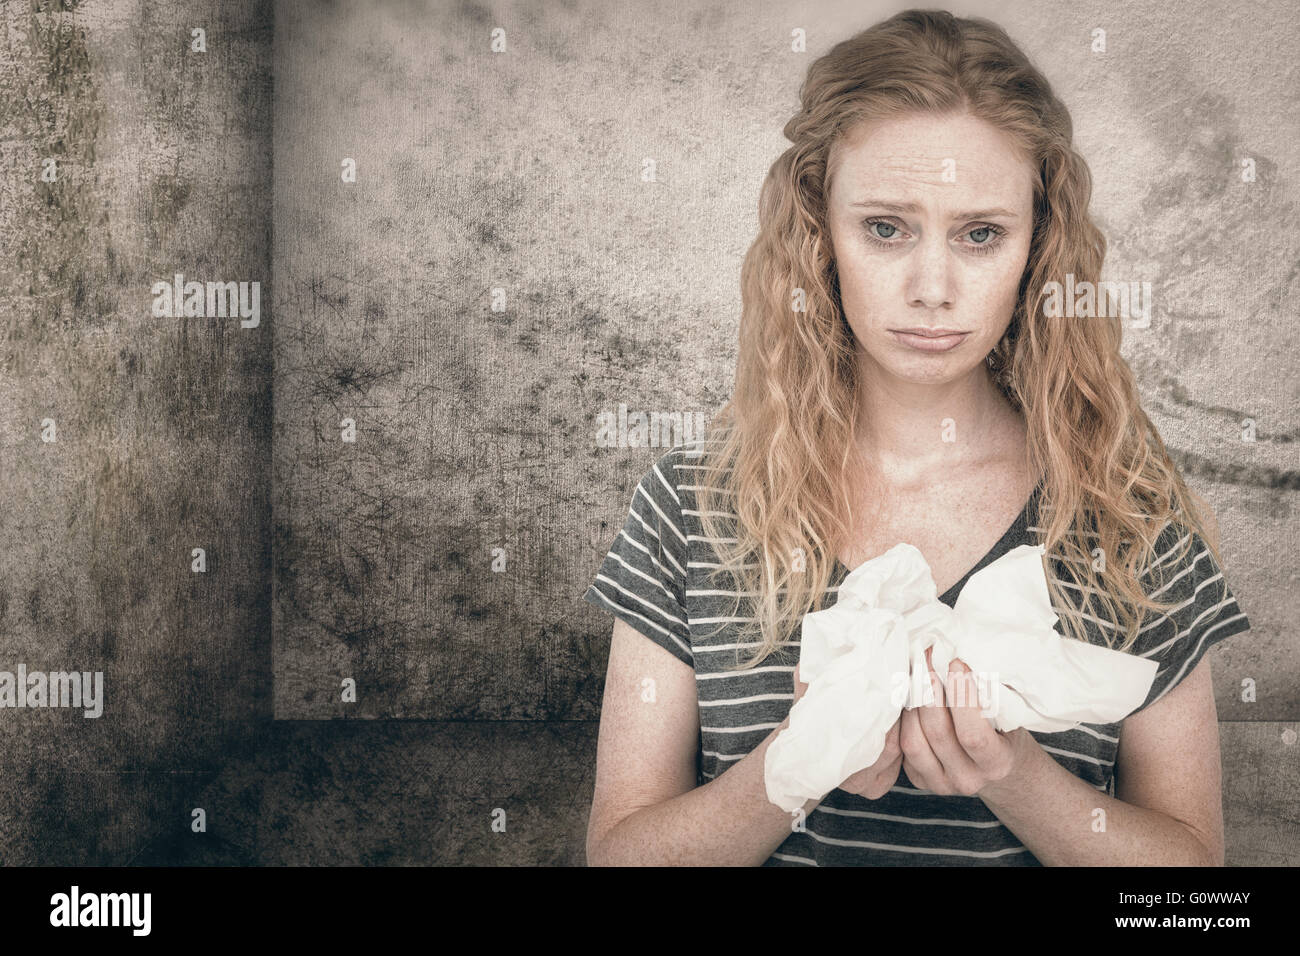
(960, 773)
(919, 762)
(989, 750)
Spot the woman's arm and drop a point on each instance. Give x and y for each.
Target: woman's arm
(646, 809)
(1168, 803)
(1168, 808)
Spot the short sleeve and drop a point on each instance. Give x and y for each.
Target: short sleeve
(642, 580)
(1206, 612)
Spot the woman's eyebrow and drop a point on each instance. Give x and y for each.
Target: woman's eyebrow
(913, 207)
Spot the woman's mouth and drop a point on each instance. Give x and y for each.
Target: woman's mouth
(929, 340)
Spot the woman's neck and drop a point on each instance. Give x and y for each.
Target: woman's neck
(907, 430)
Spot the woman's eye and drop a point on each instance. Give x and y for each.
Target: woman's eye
(981, 239)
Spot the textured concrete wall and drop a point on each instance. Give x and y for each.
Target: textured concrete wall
(476, 429)
(161, 426)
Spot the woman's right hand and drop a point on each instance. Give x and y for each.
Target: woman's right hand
(871, 782)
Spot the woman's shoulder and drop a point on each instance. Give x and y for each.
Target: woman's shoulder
(1181, 543)
(1185, 575)
(682, 473)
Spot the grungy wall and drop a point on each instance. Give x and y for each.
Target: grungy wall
(463, 264)
(131, 439)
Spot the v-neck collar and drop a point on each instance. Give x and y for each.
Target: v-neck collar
(1004, 544)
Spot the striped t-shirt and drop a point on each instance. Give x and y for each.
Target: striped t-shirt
(654, 578)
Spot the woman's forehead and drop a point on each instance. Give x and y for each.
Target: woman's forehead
(921, 159)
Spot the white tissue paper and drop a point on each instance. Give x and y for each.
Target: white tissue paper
(864, 661)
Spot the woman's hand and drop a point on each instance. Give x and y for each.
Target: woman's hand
(871, 782)
(948, 746)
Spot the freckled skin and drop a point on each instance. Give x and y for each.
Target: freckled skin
(932, 275)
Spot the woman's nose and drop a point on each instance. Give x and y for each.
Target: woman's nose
(930, 279)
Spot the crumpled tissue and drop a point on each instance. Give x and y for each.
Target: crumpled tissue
(863, 659)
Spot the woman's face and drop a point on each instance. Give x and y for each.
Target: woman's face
(930, 220)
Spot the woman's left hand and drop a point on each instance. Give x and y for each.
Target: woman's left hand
(949, 747)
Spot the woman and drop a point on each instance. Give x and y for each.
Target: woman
(900, 379)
